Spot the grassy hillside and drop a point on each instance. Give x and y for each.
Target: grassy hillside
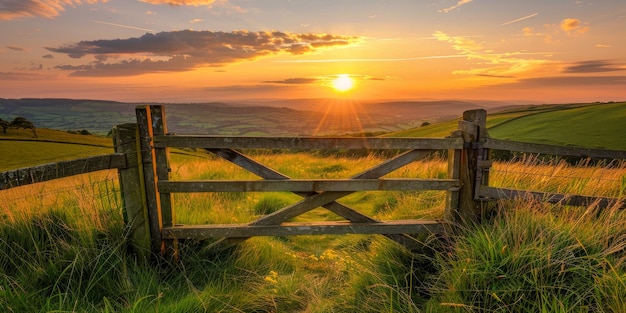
(20, 149)
(598, 126)
(64, 248)
(587, 125)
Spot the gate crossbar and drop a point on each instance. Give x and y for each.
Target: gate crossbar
(315, 192)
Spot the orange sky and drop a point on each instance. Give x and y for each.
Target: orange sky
(205, 50)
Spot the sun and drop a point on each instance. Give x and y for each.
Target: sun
(343, 83)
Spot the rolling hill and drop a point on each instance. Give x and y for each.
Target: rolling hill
(598, 125)
(263, 118)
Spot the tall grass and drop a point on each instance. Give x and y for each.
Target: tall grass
(538, 257)
(64, 248)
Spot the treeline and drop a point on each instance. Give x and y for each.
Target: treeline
(18, 122)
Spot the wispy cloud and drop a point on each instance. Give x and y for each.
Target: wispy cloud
(15, 48)
(124, 26)
(15, 9)
(185, 50)
(294, 81)
(506, 64)
(567, 81)
(456, 6)
(594, 66)
(15, 76)
(181, 2)
(519, 19)
(318, 79)
(372, 59)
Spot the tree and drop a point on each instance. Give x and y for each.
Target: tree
(20, 122)
(4, 124)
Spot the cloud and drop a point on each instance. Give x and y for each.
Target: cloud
(370, 60)
(294, 81)
(594, 66)
(320, 79)
(196, 3)
(502, 65)
(552, 32)
(15, 76)
(568, 81)
(185, 50)
(48, 56)
(15, 9)
(494, 76)
(457, 5)
(15, 48)
(573, 26)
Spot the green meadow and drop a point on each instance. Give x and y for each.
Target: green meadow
(596, 125)
(64, 246)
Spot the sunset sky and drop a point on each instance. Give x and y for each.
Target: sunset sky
(546, 51)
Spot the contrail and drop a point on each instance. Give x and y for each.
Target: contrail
(125, 26)
(519, 19)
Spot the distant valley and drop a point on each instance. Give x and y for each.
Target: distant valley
(263, 118)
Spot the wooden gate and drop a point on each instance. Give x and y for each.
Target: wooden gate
(147, 188)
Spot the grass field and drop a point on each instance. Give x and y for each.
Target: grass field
(64, 246)
(587, 126)
(583, 125)
(64, 249)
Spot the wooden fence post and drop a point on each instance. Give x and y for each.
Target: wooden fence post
(156, 167)
(473, 163)
(125, 140)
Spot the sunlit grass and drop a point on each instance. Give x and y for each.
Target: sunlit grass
(534, 258)
(603, 179)
(64, 247)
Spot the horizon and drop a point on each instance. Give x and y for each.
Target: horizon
(194, 51)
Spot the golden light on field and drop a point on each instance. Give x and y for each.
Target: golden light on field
(343, 83)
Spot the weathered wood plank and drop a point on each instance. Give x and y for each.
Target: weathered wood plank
(247, 163)
(452, 196)
(307, 185)
(550, 149)
(290, 229)
(162, 171)
(326, 197)
(335, 207)
(268, 173)
(306, 143)
(148, 170)
(132, 186)
(50, 171)
(569, 199)
(473, 132)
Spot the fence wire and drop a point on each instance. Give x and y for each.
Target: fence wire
(92, 200)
